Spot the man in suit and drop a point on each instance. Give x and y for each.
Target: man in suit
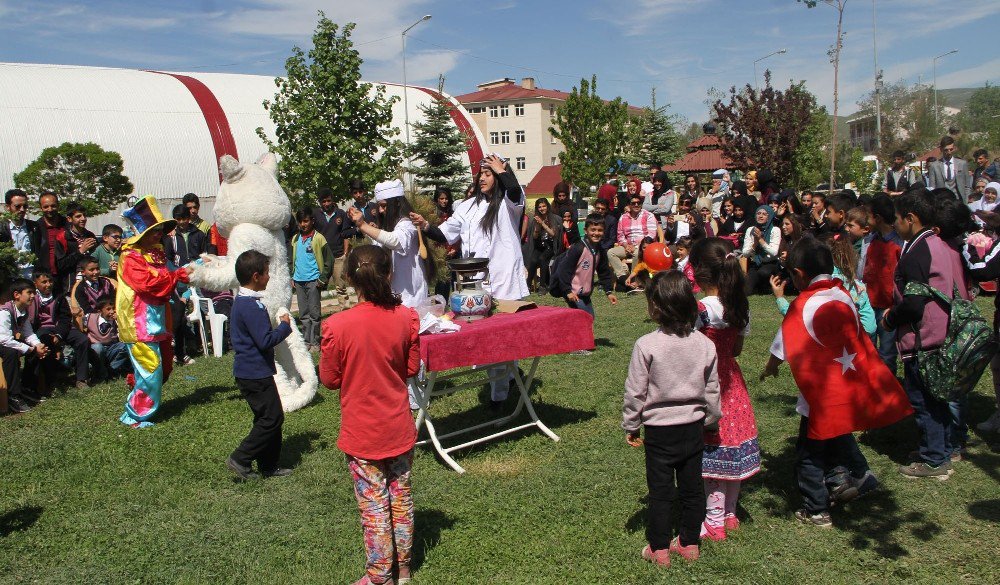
(22, 232)
(951, 172)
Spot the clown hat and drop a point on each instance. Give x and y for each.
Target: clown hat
(144, 216)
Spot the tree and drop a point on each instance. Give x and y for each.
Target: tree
(440, 145)
(331, 127)
(980, 118)
(907, 118)
(834, 54)
(661, 144)
(763, 129)
(809, 161)
(595, 134)
(79, 172)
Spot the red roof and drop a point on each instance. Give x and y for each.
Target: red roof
(935, 152)
(544, 180)
(700, 161)
(705, 140)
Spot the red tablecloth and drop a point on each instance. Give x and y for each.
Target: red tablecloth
(509, 336)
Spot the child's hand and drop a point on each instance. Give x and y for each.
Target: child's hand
(613, 299)
(777, 286)
(572, 297)
(633, 439)
(285, 319)
(770, 370)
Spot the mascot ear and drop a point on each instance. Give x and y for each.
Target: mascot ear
(269, 162)
(230, 168)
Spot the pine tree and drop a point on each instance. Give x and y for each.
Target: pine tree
(331, 127)
(439, 148)
(661, 144)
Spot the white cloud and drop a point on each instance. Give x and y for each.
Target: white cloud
(638, 17)
(971, 76)
(422, 68)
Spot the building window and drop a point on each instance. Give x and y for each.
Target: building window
(505, 137)
(554, 160)
(518, 109)
(519, 136)
(552, 139)
(552, 110)
(521, 164)
(493, 111)
(494, 138)
(504, 111)
(476, 110)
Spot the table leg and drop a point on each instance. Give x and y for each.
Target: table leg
(525, 400)
(423, 395)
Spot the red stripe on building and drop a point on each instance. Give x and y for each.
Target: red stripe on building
(475, 150)
(215, 117)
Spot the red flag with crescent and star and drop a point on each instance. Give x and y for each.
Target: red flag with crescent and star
(836, 366)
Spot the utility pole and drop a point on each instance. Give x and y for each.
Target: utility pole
(937, 123)
(878, 82)
(406, 103)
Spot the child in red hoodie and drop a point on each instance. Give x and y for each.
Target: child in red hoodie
(368, 352)
(880, 256)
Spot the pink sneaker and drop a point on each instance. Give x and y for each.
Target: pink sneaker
(714, 533)
(732, 523)
(690, 552)
(660, 557)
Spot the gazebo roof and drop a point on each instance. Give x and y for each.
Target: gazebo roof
(704, 155)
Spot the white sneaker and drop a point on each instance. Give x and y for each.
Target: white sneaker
(992, 424)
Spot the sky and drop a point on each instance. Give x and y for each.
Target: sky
(682, 48)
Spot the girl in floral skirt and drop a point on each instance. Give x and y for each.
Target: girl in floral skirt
(732, 453)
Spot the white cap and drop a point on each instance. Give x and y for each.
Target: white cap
(388, 190)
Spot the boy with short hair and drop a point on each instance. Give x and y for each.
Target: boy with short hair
(191, 202)
(17, 339)
(79, 242)
(843, 385)
(927, 259)
(878, 264)
(110, 250)
(90, 287)
(108, 353)
(253, 342)
(53, 321)
(836, 215)
(311, 265)
(574, 276)
(187, 243)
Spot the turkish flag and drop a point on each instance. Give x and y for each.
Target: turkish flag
(835, 365)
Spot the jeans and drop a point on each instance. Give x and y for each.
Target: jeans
(308, 298)
(960, 428)
(817, 457)
(674, 453)
(109, 360)
(886, 342)
(584, 304)
(933, 418)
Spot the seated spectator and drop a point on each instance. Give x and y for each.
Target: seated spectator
(760, 248)
(602, 208)
(684, 223)
(17, 339)
(89, 288)
(641, 275)
(710, 224)
(109, 251)
(988, 202)
(663, 200)
(561, 200)
(570, 231)
(79, 242)
(53, 322)
(634, 225)
(108, 354)
(737, 223)
(541, 233)
(817, 217)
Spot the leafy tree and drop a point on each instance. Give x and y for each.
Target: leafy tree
(440, 146)
(660, 141)
(693, 132)
(763, 129)
(331, 127)
(907, 118)
(595, 134)
(980, 119)
(810, 160)
(82, 172)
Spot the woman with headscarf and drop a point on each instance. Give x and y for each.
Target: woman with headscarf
(720, 191)
(767, 184)
(751, 181)
(738, 222)
(662, 202)
(761, 244)
(988, 202)
(632, 187)
(561, 200)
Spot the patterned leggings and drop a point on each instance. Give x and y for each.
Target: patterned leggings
(382, 488)
(722, 496)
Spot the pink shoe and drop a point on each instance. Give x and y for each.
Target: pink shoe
(690, 552)
(660, 557)
(714, 533)
(732, 523)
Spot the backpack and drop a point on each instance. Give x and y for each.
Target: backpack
(554, 266)
(953, 370)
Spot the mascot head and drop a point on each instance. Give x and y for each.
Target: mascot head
(250, 193)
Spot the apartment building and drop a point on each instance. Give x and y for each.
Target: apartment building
(515, 120)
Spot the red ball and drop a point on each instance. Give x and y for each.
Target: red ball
(657, 257)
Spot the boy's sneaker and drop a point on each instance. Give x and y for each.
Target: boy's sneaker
(992, 424)
(821, 519)
(660, 557)
(921, 469)
(187, 361)
(714, 533)
(241, 471)
(690, 552)
(855, 488)
(732, 523)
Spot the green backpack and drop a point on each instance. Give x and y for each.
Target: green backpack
(953, 370)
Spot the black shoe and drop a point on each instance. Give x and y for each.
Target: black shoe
(17, 406)
(31, 398)
(241, 471)
(278, 472)
(496, 404)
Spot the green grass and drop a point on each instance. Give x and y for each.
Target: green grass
(87, 500)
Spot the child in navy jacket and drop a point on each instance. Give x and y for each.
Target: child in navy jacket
(253, 342)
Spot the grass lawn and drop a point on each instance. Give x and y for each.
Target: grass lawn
(87, 500)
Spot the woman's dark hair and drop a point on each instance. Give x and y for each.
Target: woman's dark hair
(671, 303)
(369, 270)
(953, 218)
(494, 198)
(541, 200)
(796, 228)
(447, 193)
(396, 208)
(795, 205)
(716, 265)
(883, 207)
(666, 184)
(304, 213)
(810, 256)
(249, 263)
(739, 187)
(697, 183)
(561, 187)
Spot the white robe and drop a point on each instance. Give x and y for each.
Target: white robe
(502, 246)
(408, 279)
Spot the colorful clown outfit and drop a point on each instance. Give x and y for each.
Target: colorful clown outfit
(144, 324)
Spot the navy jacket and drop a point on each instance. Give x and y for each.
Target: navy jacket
(253, 339)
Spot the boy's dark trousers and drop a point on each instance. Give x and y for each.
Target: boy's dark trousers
(81, 354)
(263, 444)
(816, 458)
(12, 374)
(672, 451)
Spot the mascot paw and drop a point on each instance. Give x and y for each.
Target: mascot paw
(208, 259)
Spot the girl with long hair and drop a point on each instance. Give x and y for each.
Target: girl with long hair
(542, 236)
(732, 453)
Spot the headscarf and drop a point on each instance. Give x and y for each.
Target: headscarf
(664, 180)
(765, 229)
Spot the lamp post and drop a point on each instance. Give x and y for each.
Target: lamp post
(878, 82)
(406, 103)
(936, 123)
(778, 52)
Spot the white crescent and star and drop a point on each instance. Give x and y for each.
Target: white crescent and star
(846, 361)
(813, 304)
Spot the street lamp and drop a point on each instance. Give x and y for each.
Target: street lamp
(936, 123)
(778, 52)
(406, 103)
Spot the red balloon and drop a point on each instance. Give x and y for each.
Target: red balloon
(657, 257)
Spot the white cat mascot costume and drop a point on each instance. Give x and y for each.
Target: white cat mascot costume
(251, 210)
